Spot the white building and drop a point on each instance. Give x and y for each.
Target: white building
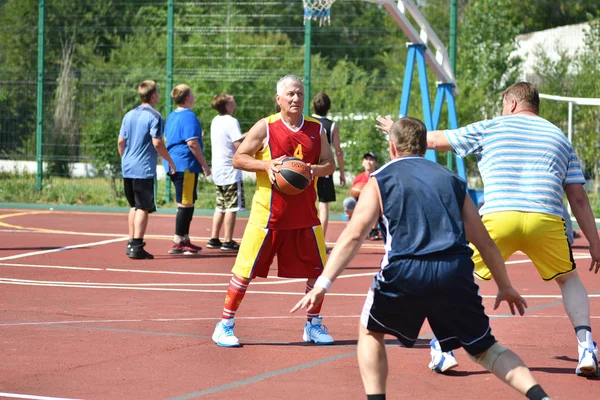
(552, 42)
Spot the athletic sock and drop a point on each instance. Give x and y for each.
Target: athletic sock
(584, 335)
(376, 396)
(536, 393)
(315, 311)
(137, 242)
(183, 219)
(235, 294)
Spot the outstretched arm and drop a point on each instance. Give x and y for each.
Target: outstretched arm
(365, 214)
(436, 140)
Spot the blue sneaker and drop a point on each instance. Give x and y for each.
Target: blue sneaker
(223, 335)
(441, 361)
(588, 361)
(316, 332)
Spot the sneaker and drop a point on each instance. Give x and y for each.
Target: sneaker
(230, 246)
(188, 243)
(588, 361)
(138, 253)
(214, 243)
(128, 248)
(180, 248)
(223, 335)
(316, 332)
(441, 361)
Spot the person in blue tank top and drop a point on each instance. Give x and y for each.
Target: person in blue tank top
(427, 271)
(140, 141)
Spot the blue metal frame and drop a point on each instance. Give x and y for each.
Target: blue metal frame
(430, 118)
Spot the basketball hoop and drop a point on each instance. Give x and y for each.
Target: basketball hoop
(317, 10)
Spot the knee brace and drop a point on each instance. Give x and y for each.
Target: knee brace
(488, 358)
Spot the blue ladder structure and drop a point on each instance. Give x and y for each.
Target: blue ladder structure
(431, 117)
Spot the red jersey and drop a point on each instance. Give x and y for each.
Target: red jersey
(362, 177)
(271, 208)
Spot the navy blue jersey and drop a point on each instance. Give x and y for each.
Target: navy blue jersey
(422, 209)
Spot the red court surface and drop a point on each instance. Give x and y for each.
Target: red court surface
(80, 320)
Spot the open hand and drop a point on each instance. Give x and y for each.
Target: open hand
(513, 298)
(384, 124)
(310, 299)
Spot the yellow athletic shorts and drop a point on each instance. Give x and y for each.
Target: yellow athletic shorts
(542, 237)
(300, 252)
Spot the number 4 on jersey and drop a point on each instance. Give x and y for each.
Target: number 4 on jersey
(298, 152)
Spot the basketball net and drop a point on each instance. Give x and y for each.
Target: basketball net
(317, 10)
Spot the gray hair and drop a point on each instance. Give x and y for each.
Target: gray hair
(285, 81)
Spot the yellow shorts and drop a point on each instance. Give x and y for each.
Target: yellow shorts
(542, 237)
(300, 252)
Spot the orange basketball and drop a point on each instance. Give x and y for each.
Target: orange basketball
(356, 189)
(293, 177)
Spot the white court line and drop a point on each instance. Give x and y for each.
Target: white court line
(578, 256)
(31, 396)
(199, 319)
(41, 283)
(76, 246)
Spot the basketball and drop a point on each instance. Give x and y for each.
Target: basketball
(356, 189)
(293, 177)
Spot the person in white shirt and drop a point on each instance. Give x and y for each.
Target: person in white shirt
(225, 137)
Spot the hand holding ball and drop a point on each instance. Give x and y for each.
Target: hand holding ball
(294, 176)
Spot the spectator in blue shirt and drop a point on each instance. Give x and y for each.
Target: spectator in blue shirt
(183, 134)
(139, 142)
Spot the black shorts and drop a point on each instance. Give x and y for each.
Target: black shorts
(326, 189)
(185, 187)
(444, 291)
(140, 193)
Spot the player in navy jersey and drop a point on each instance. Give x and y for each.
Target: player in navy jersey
(427, 271)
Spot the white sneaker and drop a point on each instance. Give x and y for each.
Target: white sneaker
(223, 335)
(588, 361)
(315, 332)
(441, 361)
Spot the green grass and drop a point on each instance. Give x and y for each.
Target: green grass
(103, 192)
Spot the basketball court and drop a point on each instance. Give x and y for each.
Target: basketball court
(80, 320)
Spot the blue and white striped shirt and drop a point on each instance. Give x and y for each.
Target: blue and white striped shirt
(524, 161)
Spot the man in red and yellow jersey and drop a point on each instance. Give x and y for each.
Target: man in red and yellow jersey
(280, 225)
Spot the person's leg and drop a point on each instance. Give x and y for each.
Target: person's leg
(140, 224)
(230, 218)
(549, 250)
(144, 205)
(217, 223)
(324, 216)
(510, 369)
(185, 188)
(372, 361)
(254, 259)
(214, 242)
(131, 222)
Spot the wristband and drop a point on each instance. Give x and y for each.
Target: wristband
(323, 282)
